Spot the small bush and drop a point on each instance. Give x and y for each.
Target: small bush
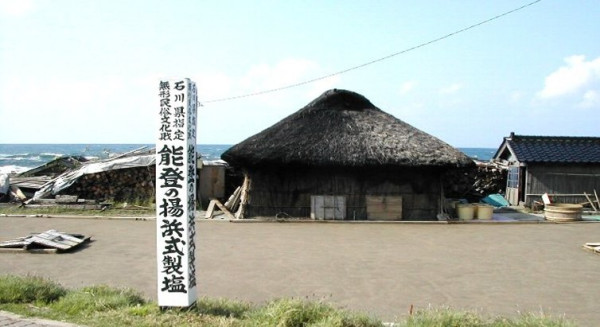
(97, 299)
(29, 289)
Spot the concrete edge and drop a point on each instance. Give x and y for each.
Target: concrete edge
(36, 321)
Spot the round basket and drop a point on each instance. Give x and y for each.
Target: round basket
(563, 212)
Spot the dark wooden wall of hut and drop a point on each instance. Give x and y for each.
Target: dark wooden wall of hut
(561, 179)
(288, 192)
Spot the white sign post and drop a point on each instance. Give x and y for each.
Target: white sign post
(176, 193)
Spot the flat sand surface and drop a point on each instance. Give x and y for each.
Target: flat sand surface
(379, 269)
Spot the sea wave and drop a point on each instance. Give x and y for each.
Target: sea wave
(13, 169)
(13, 155)
(50, 154)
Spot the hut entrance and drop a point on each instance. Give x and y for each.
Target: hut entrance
(328, 207)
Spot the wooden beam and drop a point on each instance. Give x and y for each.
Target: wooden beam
(224, 209)
(243, 197)
(233, 200)
(211, 208)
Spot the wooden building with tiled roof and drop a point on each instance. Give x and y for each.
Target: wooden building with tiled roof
(565, 167)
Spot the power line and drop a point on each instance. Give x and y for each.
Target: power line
(289, 86)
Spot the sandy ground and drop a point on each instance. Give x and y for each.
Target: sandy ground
(380, 269)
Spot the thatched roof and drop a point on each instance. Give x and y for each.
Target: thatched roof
(343, 128)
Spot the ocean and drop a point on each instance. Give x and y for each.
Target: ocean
(22, 157)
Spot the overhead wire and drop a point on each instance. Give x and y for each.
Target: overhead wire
(289, 86)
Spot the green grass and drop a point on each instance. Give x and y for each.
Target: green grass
(29, 289)
(300, 313)
(106, 306)
(446, 317)
(96, 299)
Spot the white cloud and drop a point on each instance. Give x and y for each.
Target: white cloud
(62, 96)
(451, 89)
(15, 7)
(286, 72)
(282, 74)
(577, 77)
(406, 87)
(590, 99)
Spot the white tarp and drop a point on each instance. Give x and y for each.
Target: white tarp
(4, 183)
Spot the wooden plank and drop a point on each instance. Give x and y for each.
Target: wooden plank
(597, 200)
(594, 247)
(66, 199)
(16, 243)
(211, 208)
(233, 200)
(225, 210)
(17, 193)
(243, 198)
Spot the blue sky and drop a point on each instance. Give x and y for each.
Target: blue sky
(78, 71)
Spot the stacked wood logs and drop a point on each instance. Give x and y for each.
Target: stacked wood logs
(475, 183)
(121, 185)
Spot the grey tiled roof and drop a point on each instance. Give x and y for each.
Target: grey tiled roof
(558, 149)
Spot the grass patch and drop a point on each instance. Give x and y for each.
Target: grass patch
(96, 299)
(106, 306)
(222, 307)
(446, 317)
(300, 313)
(29, 289)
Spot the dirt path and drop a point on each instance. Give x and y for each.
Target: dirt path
(380, 269)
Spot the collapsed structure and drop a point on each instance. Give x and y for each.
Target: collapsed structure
(127, 177)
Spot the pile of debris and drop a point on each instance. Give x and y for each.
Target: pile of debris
(475, 183)
(128, 177)
(125, 177)
(124, 185)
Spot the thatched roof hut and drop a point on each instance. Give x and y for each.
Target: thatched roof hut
(340, 139)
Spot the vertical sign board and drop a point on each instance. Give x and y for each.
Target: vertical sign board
(176, 193)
